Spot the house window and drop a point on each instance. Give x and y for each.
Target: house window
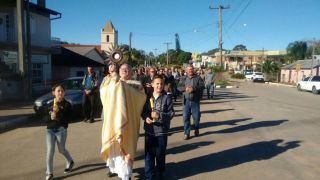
(107, 38)
(37, 70)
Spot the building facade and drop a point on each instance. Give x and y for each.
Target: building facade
(40, 43)
(297, 71)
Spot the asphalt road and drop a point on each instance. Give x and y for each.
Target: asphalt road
(256, 131)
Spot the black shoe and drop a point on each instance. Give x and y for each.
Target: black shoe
(110, 174)
(186, 137)
(49, 176)
(69, 168)
(91, 121)
(196, 132)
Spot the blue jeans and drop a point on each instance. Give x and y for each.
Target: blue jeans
(191, 108)
(60, 136)
(210, 90)
(155, 153)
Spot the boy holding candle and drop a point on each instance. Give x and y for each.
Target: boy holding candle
(157, 113)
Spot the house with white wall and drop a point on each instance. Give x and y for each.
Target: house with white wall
(40, 44)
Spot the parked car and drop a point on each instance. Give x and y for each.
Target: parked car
(257, 77)
(247, 71)
(248, 76)
(73, 94)
(311, 83)
(237, 71)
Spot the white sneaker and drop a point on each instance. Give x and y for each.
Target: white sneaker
(49, 176)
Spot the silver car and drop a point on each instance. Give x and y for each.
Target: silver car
(73, 94)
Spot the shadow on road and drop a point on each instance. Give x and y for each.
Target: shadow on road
(180, 149)
(225, 159)
(230, 95)
(84, 169)
(231, 122)
(207, 112)
(253, 125)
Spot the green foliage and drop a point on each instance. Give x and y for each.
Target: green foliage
(175, 57)
(238, 76)
(212, 51)
(297, 51)
(183, 57)
(316, 46)
(217, 69)
(270, 67)
(240, 47)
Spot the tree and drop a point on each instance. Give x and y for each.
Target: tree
(297, 50)
(271, 68)
(184, 57)
(316, 46)
(212, 51)
(240, 47)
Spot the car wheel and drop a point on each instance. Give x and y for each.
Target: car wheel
(299, 87)
(314, 90)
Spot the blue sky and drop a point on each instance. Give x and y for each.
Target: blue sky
(258, 24)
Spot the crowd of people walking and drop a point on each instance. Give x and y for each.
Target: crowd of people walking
(129, 95)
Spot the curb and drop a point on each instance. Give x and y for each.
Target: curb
(6, 124)
(227, 87)
(279, 84)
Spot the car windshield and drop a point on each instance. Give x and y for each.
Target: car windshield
(258, 73)
(306, 79)
(72, 84)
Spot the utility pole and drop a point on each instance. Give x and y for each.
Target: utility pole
(314, 44)
(21, 47)
(262, 59)
(129, 58)
(167, 43)
(220, 8)
(155, 55)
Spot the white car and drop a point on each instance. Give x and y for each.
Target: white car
(311, 83)
(255, 76)
(249, 75)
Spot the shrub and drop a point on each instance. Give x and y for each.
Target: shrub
(238, 76)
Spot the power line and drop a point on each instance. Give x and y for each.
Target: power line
(249, 2)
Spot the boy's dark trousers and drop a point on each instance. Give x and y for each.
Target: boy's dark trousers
(155, 153)
(88, 106)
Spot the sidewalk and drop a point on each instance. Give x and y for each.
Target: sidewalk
(14, 113)
(280, 84)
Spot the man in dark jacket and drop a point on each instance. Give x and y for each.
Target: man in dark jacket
(191, 102)
(90, 84)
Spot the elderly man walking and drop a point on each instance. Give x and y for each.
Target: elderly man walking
(191, 102)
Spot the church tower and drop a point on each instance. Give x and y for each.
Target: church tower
(109, 37)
